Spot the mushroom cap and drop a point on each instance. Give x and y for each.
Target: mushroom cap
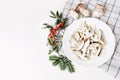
(99, 6)
(78, 7)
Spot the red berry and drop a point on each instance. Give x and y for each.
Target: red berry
(59, 25)
(53, 43)
(50, 36)
(53, 31)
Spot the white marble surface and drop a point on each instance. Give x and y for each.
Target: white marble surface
(23, 50)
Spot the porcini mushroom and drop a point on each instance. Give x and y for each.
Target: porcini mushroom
(80, 8)
(73, 14)
(98, 11)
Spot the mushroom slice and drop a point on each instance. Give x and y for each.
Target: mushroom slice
(73, 14)
(97, 35)
(77, 46)
(86, 30)
(80, 55)
(84, 49)
(98, 32)
(102, 43)
(99, 48)
(88, 53)
(76, 36)
(95, 48)
(93, 51)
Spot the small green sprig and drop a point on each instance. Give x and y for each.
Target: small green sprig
(47, 26)
(59, 18)
(63, 62)
(55, 47)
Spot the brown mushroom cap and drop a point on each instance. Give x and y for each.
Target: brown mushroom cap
(78, 7)
(99, 6)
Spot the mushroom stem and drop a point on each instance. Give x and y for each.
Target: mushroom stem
(73, 14)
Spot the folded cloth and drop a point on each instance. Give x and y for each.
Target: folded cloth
(112, 18)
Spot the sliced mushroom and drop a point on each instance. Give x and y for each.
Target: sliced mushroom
(89, 53)
(98, 11)
(83, 56)
(95, 48)
(73, 14)
(97, 35)
(84, 49)
(93, 51)
(102, 43)
(99, 48)
(87, 42)
(85, 12)
(76, 36)
(80, 55)
(77, 46)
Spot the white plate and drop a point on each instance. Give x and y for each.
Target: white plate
(108, 39)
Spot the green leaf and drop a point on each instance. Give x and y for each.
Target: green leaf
(56, 62)
(64, 26)
(61, 15)
(62, 65)
(53, 57)
(53, 16)
(50, 51)
(57, 21)
(45, 24)
(65, 20)
(57, 14)
(48, 26)
(56, 48)
(52, 13)
(49, 41)
(70, 67)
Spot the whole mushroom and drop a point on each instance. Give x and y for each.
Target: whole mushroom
(80, 8)
(73, 14)
(98, 11)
